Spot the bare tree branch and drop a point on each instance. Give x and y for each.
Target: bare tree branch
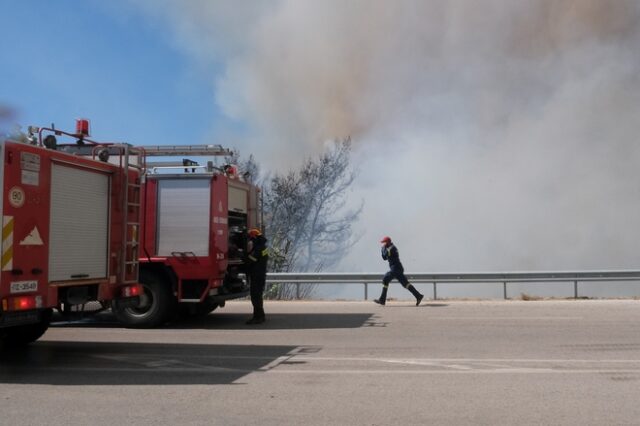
(306, 222)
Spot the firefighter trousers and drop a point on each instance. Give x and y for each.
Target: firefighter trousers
(257, 283)
(400, 276)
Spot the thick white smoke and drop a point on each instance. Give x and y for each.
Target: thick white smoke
(490, 135)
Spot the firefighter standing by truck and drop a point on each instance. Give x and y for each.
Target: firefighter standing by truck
(257, 258)
(396, 270)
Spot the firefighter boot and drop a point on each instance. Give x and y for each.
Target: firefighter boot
(416, 294)
(383, 297)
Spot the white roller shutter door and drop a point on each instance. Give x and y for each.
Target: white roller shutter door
(237, 200)
(183, 216)
(79, 231)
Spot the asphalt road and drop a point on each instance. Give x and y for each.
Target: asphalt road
(341, 363)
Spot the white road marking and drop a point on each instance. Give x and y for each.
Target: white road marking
(428, 372)
(465, 365)
(501, 318)
(425, 363)
(275, 363)
(459, 360)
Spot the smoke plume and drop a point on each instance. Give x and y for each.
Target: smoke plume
(7, 116)
(490, 135)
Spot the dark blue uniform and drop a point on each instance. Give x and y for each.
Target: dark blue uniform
(396, 270)
(257, 270)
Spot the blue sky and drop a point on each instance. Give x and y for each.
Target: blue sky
(66, 59)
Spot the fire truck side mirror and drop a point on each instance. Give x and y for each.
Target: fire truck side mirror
(50, 142)
(103, 155)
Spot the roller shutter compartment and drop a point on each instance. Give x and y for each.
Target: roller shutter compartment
(183, 216)
(79, 224)
(237, 200)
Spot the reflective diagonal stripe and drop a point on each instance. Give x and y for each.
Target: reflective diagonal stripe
(7, 259)
(7, 243)
(7, 227)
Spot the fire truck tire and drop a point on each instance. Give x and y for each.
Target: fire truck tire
(157, 304)
(22, 335)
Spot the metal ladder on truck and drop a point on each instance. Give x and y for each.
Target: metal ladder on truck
(131, 158)
(136, 158)
(183, 151)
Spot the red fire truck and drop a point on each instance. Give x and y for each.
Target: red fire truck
(193, 235)
(69, 230)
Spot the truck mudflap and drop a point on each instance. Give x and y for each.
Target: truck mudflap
(21, 328)
(231, 289)
(12, 319)
(127, 302)
(221, 298)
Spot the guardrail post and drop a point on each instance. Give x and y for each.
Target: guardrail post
(575, 289)
(504, 290)
(298, 291)
(435, 291)
(366, 291)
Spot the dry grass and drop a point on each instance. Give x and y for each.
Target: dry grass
(528, 297)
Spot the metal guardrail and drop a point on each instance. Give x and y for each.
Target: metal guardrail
(461, 278)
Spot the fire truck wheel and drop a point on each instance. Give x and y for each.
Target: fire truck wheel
(156, 304)
(22, 335)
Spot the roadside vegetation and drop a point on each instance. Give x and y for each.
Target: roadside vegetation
(307, 215)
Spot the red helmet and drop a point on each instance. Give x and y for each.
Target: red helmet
(385, 240)
(254, 232)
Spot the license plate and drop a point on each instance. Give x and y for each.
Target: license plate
(23, 286)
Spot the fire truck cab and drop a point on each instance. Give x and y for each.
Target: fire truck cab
(194, 220)
(69, 231)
